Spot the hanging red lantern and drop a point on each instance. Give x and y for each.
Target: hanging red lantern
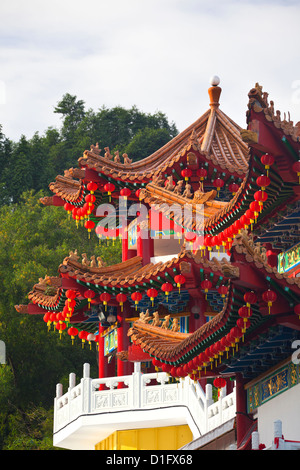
(297, 310)
(152, 293)
(218, 184)
(167, 287)
(263, 181)
(245, 222)
(89, 294)
(125, 192)
(267, 160)
(136, 297)
(208, 242)
(223, 290)
(89, 225)
(255, 208)
(225, 344)
(219, 382)
(245, 313)
(296, 169)
(105, 298)
(251, 216)
(179, 279)
(68, 207)
(92, 187)
(190, 237)
(206, 285)
(236, 333)
(250, 298)
(109, 188)
(70, 294)
(269, 297)
(233, 188)
(72, 331)
(90, 199)
(243, 323)
(260, 197)
(186, 173)
(237, 226)
(60, 326)
(121, 298)
(83, 336)
(202, 173)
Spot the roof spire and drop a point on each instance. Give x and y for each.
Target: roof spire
(214, 91)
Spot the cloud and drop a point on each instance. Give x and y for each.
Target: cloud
(156, 54)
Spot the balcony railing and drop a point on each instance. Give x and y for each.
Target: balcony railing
(141, 392)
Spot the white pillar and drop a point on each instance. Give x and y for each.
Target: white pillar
(255, 440)
(86, 370)
(72, 380)
(59, 390)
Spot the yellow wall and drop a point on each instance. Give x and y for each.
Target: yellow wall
(164, 438)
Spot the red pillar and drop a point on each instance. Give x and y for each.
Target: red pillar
(101, 357)
(145, 246)
(243, 421)
(123, 368)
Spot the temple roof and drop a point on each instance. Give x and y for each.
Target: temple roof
(213, 138)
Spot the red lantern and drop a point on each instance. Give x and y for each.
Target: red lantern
(255, 207)
(250, 298)
(296, 169)
(90, 199)
(179, 279)
(136, 297)
(186, 173)
(223, 290)
(206, 285)
(245, 222)
(202, 173)
(68, 207)
(225, 344)
(219, 382)
(233, 188)
(105, 298)
(208, 240)
(89, 225)
(89, 294)
(125, 192)
(250, 215)
(269, 297)
(218, 183)
(263, 181)
(109, 188)
(167, 287)
(268, 161)
(190, 237)
(121, 298)
(60, 326)
(260, 197)
(152, 293)
(72, 332)
(243, 323)
(92, 187)
(83, 336)
(70, 294)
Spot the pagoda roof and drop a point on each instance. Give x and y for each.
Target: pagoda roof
(214, 138)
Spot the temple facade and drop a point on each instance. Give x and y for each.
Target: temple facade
(198, 326)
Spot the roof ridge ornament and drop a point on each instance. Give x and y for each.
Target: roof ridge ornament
(214, 91)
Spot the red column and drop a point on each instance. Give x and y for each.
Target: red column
(101, 357)
(243, 421)
(145, 246)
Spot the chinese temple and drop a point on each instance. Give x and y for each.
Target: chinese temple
(197, 327)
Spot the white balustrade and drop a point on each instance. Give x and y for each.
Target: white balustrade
(140, 391)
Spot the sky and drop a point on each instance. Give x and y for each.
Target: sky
(158, 55)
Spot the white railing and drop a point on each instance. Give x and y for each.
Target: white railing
(279, 443)
(141, 391)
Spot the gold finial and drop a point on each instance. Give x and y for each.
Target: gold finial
(214, 91)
